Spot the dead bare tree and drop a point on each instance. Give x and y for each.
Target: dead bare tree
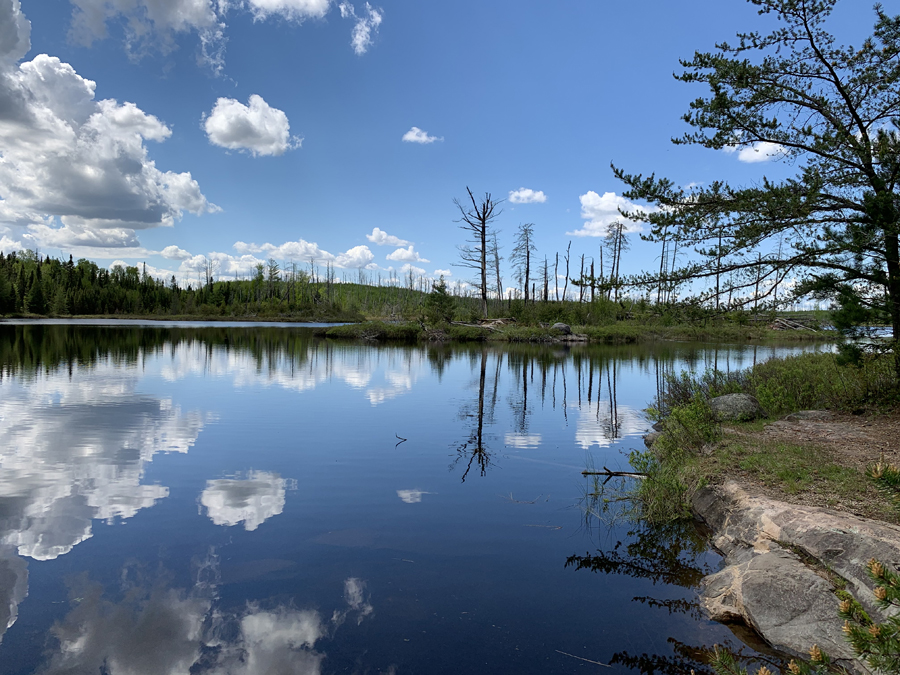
(495, 258)
(546, 272)
(556, 276)
(476, 220)
(521, 256)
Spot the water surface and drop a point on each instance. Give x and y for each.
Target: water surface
(233, 499)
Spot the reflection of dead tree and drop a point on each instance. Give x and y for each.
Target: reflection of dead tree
(519, 406)
(473, 447)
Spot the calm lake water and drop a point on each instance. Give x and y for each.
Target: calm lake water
(250, 499)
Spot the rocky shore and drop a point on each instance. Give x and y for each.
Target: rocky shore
(783, 565)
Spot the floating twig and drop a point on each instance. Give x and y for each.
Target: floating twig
(518, 501)
(606, 472)
(605, 665)
(402, 440)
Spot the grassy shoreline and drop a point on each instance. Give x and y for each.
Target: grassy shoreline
(620, 332)
(695, 449)
(616, 333)
(215, 318)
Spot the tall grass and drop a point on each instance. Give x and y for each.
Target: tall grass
(802, 382)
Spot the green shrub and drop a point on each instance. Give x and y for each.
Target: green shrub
(377, 330)
(467, 333)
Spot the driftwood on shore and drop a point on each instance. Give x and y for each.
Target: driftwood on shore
(787, 324)
(473, 325)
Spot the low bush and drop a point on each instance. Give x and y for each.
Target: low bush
(378, 330)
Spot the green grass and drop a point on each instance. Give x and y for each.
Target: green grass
(694, 451)
(794, 468)
(802, 382)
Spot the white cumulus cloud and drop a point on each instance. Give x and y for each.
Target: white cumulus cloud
(257, 127)
(406, 255)
(599, 211)
(365, 26)
(358, 256)
(407, 268)
(8, 245)
(527, 196)
(443, 273)
(76, 172)
(763, 151)
(174, 253)
(416, 135)
(381, 238)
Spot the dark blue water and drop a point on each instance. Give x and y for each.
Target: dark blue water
(253, 500)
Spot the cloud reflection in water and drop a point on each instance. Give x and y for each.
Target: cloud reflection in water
(74, 449)
(251, 500)
(166, 631)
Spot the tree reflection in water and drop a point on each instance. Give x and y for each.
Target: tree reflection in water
(478, 414)
(671, 553)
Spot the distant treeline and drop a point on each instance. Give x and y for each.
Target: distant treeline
(31, 284)
(34, 285)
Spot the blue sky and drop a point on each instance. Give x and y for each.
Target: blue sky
(239, 131)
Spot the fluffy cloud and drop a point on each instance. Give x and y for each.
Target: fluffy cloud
(174, 253)
(294, 10)
(8, 245)
(406, 255)
(599, 212)
(758, 152)
(356, 257)
(75, 172)
(304, 251)
(411, 496)
(381, 238)
(251, 500)
(292, 250)
(256, 127)
(407, 268)
(416, 135)
(527, 196)
(153, 25)
(443, 273)
(361, 37)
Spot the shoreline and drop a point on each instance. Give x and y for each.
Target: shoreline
(787, 567)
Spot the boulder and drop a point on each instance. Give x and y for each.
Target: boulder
(651, 438)
(563, 328)
(782, 563)
(736, 408)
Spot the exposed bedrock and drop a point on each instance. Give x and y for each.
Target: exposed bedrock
(782, 564)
